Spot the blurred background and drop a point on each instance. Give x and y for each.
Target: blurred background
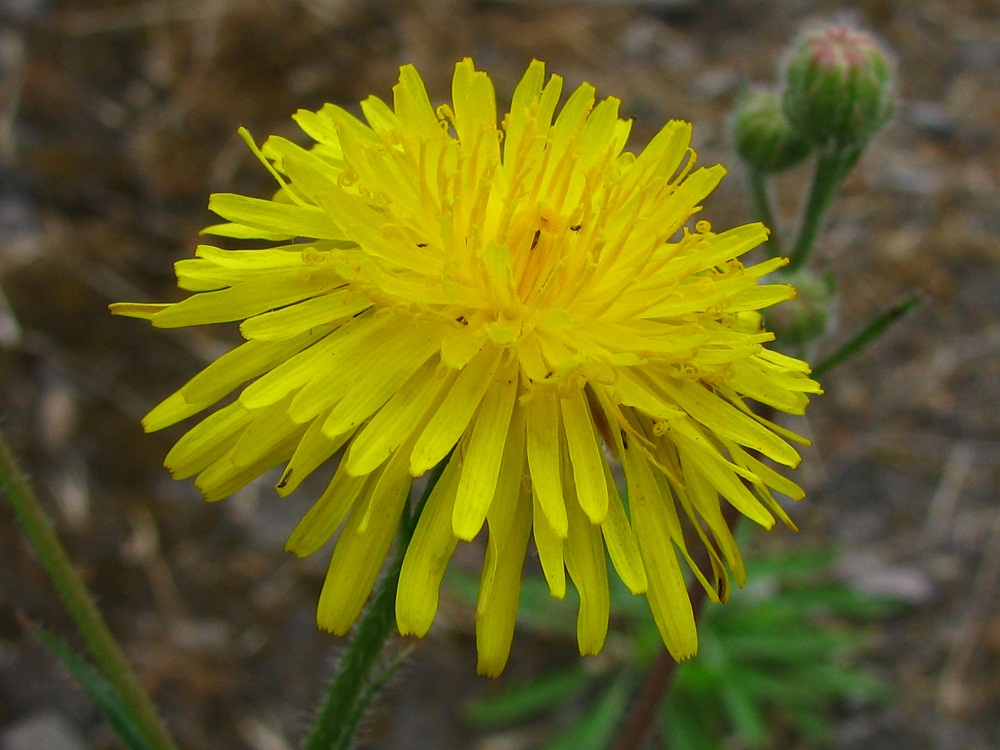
(119, 117)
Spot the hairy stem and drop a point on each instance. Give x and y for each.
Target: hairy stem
(353, 686)
(831, 168)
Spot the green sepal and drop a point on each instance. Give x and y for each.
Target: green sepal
(763, 136)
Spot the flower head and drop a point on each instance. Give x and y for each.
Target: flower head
(763, 136)
(525, 302)
(839, 86)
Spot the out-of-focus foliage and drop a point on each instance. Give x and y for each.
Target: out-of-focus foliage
(773, 664)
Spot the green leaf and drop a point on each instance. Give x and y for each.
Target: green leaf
(788, 647)
(794, 564)
(530, 699)
(594, 731)
(107, 700)
(744, 713)
(844, 681)
(866, 335)
(811, 723)
(687, 724)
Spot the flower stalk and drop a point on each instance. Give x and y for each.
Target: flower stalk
(831, 168)
(354, 685)
(338, 717)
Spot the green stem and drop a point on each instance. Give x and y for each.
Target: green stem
(343, 706)
(364, 700)
(831, 168)
(760, 202)
(103, 647)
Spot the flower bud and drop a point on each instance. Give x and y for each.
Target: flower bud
(805, 318)
(763, 136)
(839, 87)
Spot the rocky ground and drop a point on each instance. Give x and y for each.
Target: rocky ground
(118, 118)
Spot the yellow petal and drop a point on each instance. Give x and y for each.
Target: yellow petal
(137, 309)
(279, 220)
(474, 101)
(586, 566)
(215, 268)
(172, 410)
(313, 449)
(697, 455)
(768, 477)
(634, 390)
(704, 499)
(398, 419)
(382, 370)
(720, 417)
(302, 317)
(269, 428)
(388, 483)
(482, 460)
(246, 299)
(543, 441)
(452, 417)
(586, 457)
(768, 385)
(241, 232)
(550, 550)
(427, 556)
(319, 126)
(327, 513)
(225, 476)
(413, 107)
(664, 153)
(380, 116)
(620, 539)
(667, 591)
(310, 175)
(502, 514)
(596, 143)
(500, 588)
(304, 367)
(525, 99)
(348, 360)
(357, 560)
(207, 441)
(459, 345)
(243, 363)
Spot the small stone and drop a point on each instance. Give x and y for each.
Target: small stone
(870, 574)
(41, 731)
(932, 119)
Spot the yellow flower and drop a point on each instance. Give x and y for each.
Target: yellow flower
(524, 300)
